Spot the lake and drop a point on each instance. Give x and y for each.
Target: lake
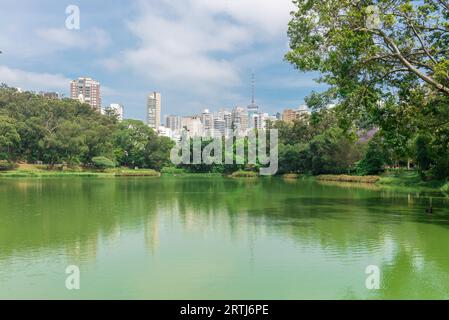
(219, 238)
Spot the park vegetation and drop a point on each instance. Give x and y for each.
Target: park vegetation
(68, 134)
(386, 64)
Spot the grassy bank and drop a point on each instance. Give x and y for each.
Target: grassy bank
(347, 178)
(136, 173)
(244, 174)
(37, 171)
(30, 170)
(410, 179)
(403, 180)
(291, 176)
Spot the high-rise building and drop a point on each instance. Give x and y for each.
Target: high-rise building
(116, 109)
(207, 119)
(173, 122)
(219, 127)
(86, 90)
(290, 115)
(260, 121)
(192, 125)
(154, 110)
(240, 120)
(227, 117)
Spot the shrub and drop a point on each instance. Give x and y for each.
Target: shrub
(244, 174)
(172, 170)
(137, 173)
(102, 163)
(374, 160)
(445, 188)
(346, 178)
(441, 169)
(291, 176)
(423, 152)
(6, 165)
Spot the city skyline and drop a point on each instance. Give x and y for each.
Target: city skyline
(88, 90)
(183, 60)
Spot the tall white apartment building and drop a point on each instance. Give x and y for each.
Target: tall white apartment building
(207, 119)
(154, 110)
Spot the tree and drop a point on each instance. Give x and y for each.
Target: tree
(374, 160)
(137, 145)
(102, 163)
(423, 151)
(372, 42)
(9, 138)
(293, 158)
(386, 64)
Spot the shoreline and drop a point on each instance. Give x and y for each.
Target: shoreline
(405, 181)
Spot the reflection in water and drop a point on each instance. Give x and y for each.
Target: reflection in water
(220, 238)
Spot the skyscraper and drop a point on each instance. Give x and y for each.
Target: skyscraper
(154, 110)
(86, 90)
(207, 119)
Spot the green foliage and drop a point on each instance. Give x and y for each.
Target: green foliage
(102, 163)
(445, 187)
(137, 145)
(348, 178)
(137, 173)
(172, 170)
(316, 144)
(33, 128)
(292, 158)
(388, 71)
(6, 165)
(441, 168)
(244, 174)
(354, 47)
(423, 152)
(9, 138)
(374, 160)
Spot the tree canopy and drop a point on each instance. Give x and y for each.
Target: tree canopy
(386, 64)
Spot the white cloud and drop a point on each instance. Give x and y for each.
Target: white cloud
(62, 38)
(196, 44)
(33, 80)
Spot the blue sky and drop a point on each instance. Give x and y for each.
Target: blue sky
(198, 53)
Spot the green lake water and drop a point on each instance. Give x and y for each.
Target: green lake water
(219, 238)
